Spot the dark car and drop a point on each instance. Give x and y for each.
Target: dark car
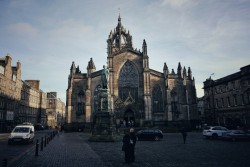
(149, 134)
(39, 127)
(234, 135)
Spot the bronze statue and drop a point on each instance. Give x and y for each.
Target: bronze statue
(105, 77)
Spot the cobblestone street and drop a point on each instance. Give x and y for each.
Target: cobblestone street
(74, 149)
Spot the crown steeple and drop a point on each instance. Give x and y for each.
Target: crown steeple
(119, 39)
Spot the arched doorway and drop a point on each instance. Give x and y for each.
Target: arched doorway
(129, 118)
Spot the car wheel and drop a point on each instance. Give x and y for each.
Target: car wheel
(156, 138)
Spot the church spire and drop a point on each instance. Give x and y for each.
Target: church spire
(91, 66)
(144, 48)
(165, 70)
(73, 68)
(179, 70)
(184, 72)
(189, 73)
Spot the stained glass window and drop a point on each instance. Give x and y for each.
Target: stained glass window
(128, 81)
(157, 99)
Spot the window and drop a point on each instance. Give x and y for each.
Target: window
(233, 83)
(128, 82)
(235, 100)
(222, 102)
(228, 102)
(216, 103)
(157, 99)
(242, 99)
(80, 96)
(80, 108)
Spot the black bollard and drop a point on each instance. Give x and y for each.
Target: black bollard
(42, 144)
(5, 162)
(45, 141)
(37, 146)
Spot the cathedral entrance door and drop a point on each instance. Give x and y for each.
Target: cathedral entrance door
(129, 118)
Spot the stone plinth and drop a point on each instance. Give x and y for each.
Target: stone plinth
(104, 128)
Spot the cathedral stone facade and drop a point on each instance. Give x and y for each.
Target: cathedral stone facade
(139, 95)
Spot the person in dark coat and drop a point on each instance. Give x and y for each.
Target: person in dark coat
(127, 147)
(184, 134)
(132, 142)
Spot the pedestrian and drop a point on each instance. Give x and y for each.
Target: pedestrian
(126, 147)
(132, 142)
(184, 134)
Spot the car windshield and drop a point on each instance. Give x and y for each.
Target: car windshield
(21, 130)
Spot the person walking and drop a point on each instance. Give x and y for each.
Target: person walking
(184, 134)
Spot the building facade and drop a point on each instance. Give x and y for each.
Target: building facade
(20, 101)
(227, 100)
(138, 94)
(55, 110)
(200, 108)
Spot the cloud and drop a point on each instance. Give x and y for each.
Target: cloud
(47, 36)
(176, 3)
(22, 29)
(21, 4)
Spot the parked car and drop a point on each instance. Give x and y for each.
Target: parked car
(39, 127)
(234, 135)
(214, 131)
(22, 134)
(149, 134)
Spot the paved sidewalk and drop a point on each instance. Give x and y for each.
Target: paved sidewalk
(67, 149)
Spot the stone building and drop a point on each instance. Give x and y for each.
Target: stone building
(139, 95)
(200, 108)
(20, 101)
(227, 100)
(55, 110)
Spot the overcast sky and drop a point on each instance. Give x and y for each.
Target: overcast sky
(210, 36)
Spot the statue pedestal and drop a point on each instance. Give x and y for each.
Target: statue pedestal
(104, 128)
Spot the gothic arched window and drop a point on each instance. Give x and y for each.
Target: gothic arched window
(80, 96)
(157, 99)
(80, 103)
(128, 81)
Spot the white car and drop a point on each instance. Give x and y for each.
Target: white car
(22, 133)
(214, 131)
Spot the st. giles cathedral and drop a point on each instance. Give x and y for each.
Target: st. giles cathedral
(138, 94)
